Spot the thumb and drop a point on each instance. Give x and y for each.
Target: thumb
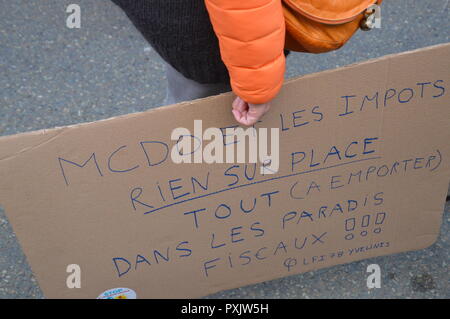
(256, 112)
(250, 116)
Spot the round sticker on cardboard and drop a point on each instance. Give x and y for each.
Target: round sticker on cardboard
(118, 293)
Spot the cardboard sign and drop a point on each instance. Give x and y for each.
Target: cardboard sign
(364, 171)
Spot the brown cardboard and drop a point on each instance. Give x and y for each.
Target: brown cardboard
(86, 217)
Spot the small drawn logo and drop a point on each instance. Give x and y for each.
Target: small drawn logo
(118, 293)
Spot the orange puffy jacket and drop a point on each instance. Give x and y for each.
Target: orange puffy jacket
(251, 38)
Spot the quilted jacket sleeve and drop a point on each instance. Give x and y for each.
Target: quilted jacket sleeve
(251, 38)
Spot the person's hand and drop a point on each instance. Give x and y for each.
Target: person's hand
(248, 113)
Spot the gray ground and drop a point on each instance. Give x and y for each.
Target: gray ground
(53, 76)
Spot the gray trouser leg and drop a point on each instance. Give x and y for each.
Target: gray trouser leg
(180, 88)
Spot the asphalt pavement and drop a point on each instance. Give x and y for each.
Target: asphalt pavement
(53, 76)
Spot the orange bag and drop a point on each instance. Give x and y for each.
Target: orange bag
(317, 26)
